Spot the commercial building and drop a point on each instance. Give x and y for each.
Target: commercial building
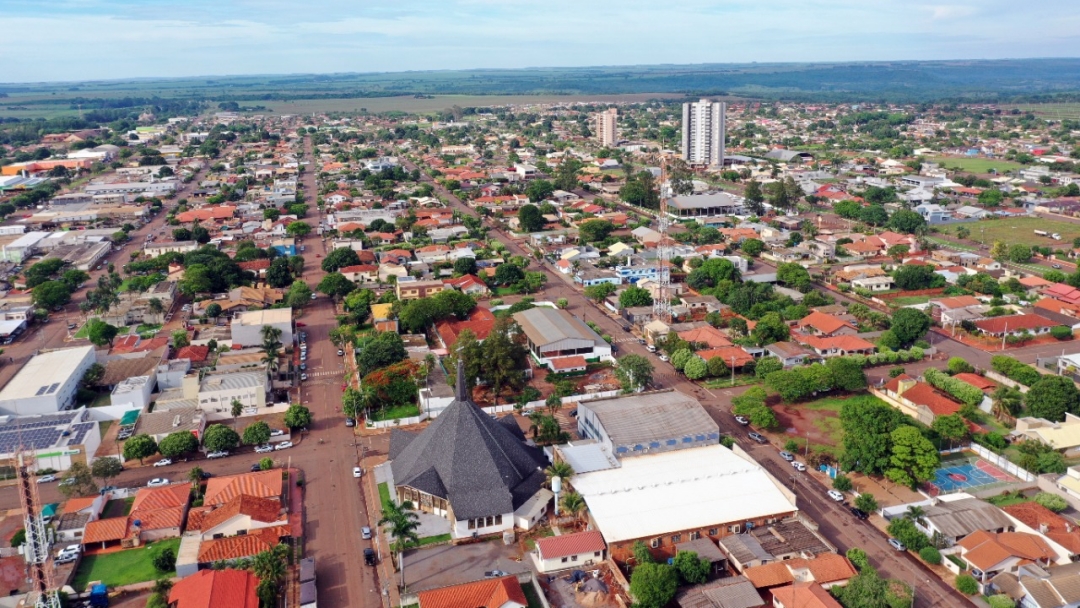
(247, 326)
(607, 127)
(47, 382)
(552, 334)
(647, 423)
(714, 204)
(55, 440)
(704, 129)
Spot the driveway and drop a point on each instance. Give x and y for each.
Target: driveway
(446, 565)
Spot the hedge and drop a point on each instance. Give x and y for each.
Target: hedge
(1014, 370)
(962, 391)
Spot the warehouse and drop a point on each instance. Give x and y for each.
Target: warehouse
(47, 383)
(557, 338)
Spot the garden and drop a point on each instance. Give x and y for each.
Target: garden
(128, 566)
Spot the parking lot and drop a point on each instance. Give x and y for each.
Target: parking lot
(445, 565)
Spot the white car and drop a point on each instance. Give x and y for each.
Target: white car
(276, 432)
(357, 472)
(837, 496)
(284, 445)
(215, 455)
(157, 482)
(262, 449)
(46, 479)
(663, 357)
(798, 465)
(303, 376)
(70, 549)
(164, 462)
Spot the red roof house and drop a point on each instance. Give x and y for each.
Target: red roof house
(502, 592)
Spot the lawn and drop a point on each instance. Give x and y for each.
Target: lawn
(740, 380)
(398, 411)
(118, 507)
(431, 540)
(1021, 229)
(124, 567)
(909, 301)
(103, 426)
(82, 333)
(147, 331)
(384, 496)
(531, 596)
(977, 165)
(1006, 499)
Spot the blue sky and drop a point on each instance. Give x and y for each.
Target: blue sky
(103, 39)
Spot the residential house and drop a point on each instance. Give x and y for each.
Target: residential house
(1062, 436)
(727, 592)
(77, 512)
(1013, 325)
(361, 273)
(882, 283)
(214, 588)
(826, 569)
(409, 288)
(916, 399)
(803, 595)
(1051, 525)
(575, 550)
(790, 353)
(501, 592)
(590, 276)
(1032, 586)
(821, 324)
(735, 357)
(480, 322)
(469, 284)
(953, 517)
(836, 346)
(777, 542)
(991, 554)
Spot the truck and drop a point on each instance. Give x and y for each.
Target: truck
(1042, 233)
(1056, 236)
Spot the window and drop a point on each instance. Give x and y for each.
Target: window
(713, 531)
(654, 543)
(676, 538)
(574, 558)
(596, 554)
(472, 524)
(736, 529)
(564, 560)
(695, 535)
(498, 520)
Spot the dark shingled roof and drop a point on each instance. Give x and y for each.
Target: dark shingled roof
(476, 463)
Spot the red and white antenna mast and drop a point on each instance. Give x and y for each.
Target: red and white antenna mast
(662, 303)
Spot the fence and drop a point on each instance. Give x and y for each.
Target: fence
(1002, 463)
(996, 377)
(394, 422)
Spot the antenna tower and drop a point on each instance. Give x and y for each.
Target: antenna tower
(662, 303)
(38, 560)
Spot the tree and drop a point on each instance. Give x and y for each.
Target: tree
(868, 427)
(914, 459)
(465, 265)
(165, 560)
(508, 274)
(866, 502)
(633, 371)
(270, 567)
(1051, 397)
(180, 339)
(593, 231)
(530, 218)
(991, 197)
(299, 295)
(680, 357)
(140, 446)
(635, 296)
(905, 221)
(504, 359)
(572, 503)
(767, 365)
(266, 463)
(177, 444)
(352, 402)
(909, 325)
(875, 215)
(257, 433)
(379, 350)
(841, 483)
(83, 484)
(340, 258)
(770, 328)
(966, 584)
(752, 247)
(717, 367)
(653, 585)
(858, 558)
(910, 278)
(297, 416)
(335, 285)
(1055, 503)
(402, 523)
(539, 189)
(695, 368)
(959, 365)
(693, 570)
(599, 292)
(847, 374)
(51, 294)
(279, 274)
(220, 438)
(864, 590)
(106, 468)
(100, 333)
(1020, 253)
(951, 427)
(298, 229)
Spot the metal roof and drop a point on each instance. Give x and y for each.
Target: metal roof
(548, 325)
(657, 415)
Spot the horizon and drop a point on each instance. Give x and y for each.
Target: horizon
(171, 39)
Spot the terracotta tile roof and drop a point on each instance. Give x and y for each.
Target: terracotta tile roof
(489, 593)
(195, 518)
(75, 505)
(480, 322)
(255, 264)
(707, 335)
(997, 325)
(174, 495)
(151, 344)
(214, 588)
(1057, 528)
(769, 575)
(1058, 306)
(985, 550)
(566, 545)
(104, 530)
(574, 362)
(263, 510)
(359, 268)
(844, 343)
(349, 227)
(826, 324)
(264, 484)
(726, 353)
(977, 381)
(830, 567)
(235, 547)
(804, 595)
(1035, 282)
(197, 354)
(924, 394)
(221, 212)
(465, 281)
(158, 519)
(824, 568)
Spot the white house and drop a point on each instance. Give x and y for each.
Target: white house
(577, 550)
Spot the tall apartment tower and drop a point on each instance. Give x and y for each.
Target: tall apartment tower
(704, 130)
(606, 127)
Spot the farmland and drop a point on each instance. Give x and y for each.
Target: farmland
(1019, 230)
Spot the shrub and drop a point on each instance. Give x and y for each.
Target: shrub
(1000, 601)
(959, 365)
(1053, 502)
(842, 483)
(791, 445)
(930, 555)
(960, 390)
(904, 530)
(1061, 332)
(896, 371)
(858, 558)
(166, 560)
(966, 584)
(1014, 370)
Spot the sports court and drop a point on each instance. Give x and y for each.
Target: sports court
(965, 474)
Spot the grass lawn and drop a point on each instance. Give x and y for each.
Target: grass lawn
(118, 507)
(506, 291)
(399, 411)
(740, 380)
(909, 300)
(1007, 498)
(82, 333)
(384, 496)
(431, 540)
(977, 165)
(531, 596)
(147, 331)
(1021, 229)
(101, 400)
(124, 567)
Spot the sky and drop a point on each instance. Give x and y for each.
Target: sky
(72, 40)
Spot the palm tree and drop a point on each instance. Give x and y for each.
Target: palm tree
(403, 524)
(155, 306)
(572, 504)
(269, 566)
(915, 513)
(560, 469)
(270, 346)
(195, 477)
(237, 409)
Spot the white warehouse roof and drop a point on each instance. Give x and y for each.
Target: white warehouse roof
(657, 494)
(44, 373)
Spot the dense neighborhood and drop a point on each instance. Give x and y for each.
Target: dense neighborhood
(706, 353)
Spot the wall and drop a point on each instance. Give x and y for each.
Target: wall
(460, 528)
(1003, 463)
(996, 377)
(109, 412)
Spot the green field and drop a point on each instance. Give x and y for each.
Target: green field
(977, 165)
(1019, 230)
(437, 103)
(1053, 111)
(123, 567)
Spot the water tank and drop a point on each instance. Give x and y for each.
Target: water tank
(556, 484)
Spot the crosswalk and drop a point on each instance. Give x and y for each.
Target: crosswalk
(624, 340)
(324, 374)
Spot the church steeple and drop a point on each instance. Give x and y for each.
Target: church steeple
(459, 387)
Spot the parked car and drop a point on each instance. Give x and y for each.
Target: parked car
(284, 445)
(66, 558)
(663, 357)
(1055, 266)
(365, 533)
(340, 352)
(164, 462)
(303, 376)
(303, 367)
(757, 437)
(496, 573)
(837, 496)
(216, 455)
(859, 513)
(650, 348)
(106, 489)
(276, 432)
(742, 420)
(313, 296)
(157, 482)
(358, 472)
(263, 449)
(899, 546)
(70, 549)
(255, 468)
(787, 456)
(46, 479)
(369, 556)
(350, 422)
(798, 465)
(67, 481)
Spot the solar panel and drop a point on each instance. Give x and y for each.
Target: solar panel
(41, 391)
(52, 389)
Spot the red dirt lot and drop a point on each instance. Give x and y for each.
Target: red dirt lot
(799, 423)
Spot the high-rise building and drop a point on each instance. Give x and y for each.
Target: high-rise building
(606, 127)
(704, 130)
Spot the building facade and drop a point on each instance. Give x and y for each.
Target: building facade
(704, 129)
(606, 127)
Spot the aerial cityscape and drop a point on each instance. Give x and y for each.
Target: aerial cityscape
(340, 307)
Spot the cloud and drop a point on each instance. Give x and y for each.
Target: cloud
(949, 11)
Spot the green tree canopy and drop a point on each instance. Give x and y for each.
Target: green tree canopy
(635, 296)
(653, 585)
(177, 444)
(140, 446)
(914, 459)
(1051, 397)
(530, 218)
(257, 433)
(219, 437)
(297, 416)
